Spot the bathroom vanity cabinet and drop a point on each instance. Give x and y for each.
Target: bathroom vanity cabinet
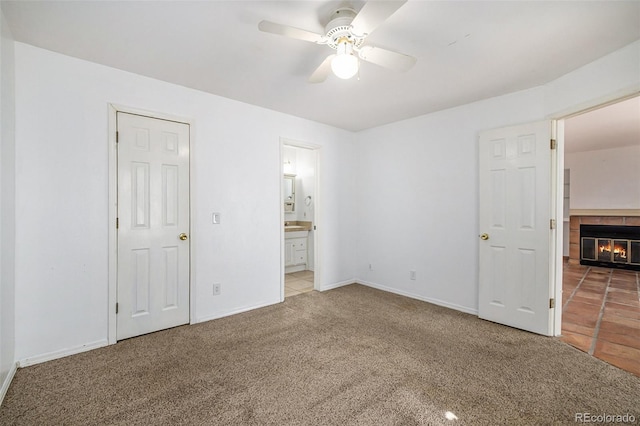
(295, 251)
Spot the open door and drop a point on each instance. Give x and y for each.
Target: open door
(515, 280)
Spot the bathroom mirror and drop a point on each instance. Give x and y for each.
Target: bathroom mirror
(289, 193)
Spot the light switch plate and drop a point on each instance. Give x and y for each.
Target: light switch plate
(215, 218)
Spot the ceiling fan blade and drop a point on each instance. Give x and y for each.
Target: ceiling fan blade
(287, 31)
(322, 72)
(387, 58)
(372, 14)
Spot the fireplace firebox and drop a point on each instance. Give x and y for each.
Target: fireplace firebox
(610, 246)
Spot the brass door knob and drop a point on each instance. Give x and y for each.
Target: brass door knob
(183, 236)
(484, 237)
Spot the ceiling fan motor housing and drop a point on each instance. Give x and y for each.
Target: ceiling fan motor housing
(339, 28)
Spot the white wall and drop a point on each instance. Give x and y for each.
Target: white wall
(62, 187)
(417, 182)
(413, 205)
(418, 199)
(603, 80)
(7, 207)
(605, 179)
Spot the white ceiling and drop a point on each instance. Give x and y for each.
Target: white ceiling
(614, 126)
(466, 50)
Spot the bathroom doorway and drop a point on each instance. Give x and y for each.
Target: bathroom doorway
(299, 260)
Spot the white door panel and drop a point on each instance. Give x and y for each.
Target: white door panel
(515, 212)
(153, 211)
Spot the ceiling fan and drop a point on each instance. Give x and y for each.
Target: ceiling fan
(346, 33)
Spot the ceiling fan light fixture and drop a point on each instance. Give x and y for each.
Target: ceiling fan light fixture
(345, 64)
(346, 33)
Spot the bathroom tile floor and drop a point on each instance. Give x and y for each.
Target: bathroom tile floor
(297, 283)
(601, 314)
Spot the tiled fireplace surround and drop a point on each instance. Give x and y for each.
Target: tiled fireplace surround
(593, 218)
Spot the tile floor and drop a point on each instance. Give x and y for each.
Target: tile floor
(297, 283)
(601, 314)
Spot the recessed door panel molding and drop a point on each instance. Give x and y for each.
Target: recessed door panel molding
(526, 178)
(170, 142)
(140, 194)
(153, 211)
(498, 150)
(141, 139)
(499, 270)
(141, 281)
(170, 277)
(526, 145)
(514, 286)
(499, 197)
(170, 193)
(526, 284)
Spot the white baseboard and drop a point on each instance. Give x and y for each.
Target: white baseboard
(418, 297)
(235, 311)
(336, 285)
(7, 381)
(62, 353)
(297, 268)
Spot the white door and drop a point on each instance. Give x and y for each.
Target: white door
(153, 224)
(515, 213)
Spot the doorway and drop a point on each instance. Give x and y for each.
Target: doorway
(300, 196)
(150, 246)
(600, 308)
(557, 203)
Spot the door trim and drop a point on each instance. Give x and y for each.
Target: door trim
(317, 221)
(555, 244)
(113, 109)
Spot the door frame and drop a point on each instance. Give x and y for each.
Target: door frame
(317, 214)
(113, 109)
(557, 185)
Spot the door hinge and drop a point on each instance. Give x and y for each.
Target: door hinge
(552, 224)
(117, 223)
(117, 137)
(553, 144)
(552, 303)
(116, 308)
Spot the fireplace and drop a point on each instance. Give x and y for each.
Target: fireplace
(610, 246)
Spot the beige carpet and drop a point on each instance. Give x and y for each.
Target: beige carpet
(353, 355)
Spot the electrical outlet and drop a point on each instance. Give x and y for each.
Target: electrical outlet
(412, 275)
(216, 289)
(371, 267)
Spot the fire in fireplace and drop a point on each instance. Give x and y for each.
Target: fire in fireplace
(610, 246)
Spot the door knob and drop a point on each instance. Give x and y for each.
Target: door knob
(183, 236)
(484, 237)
